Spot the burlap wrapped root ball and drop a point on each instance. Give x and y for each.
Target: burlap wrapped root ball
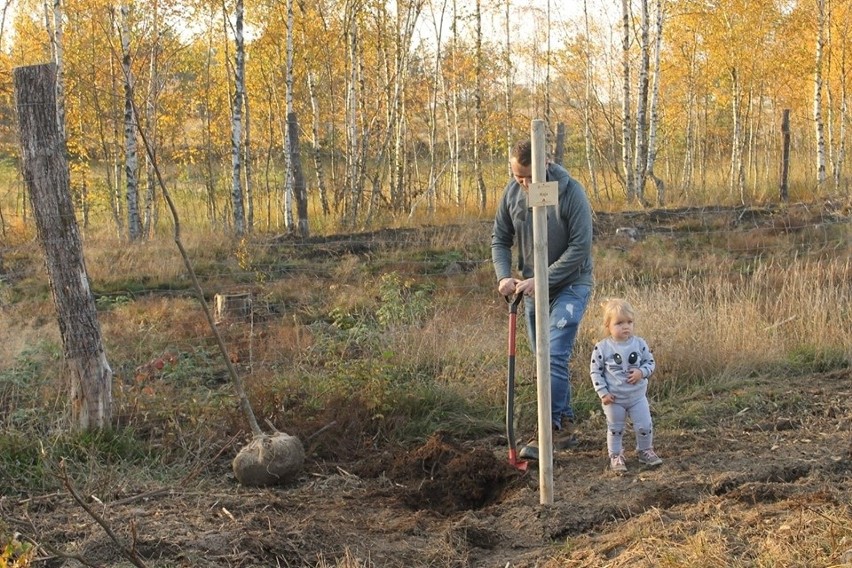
(275, 459)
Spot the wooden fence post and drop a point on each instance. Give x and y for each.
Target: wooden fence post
(45, 171)
(785, 155)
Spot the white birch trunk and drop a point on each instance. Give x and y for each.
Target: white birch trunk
(237, 124)
(654, 107)
(131, 163)
(510, 135)
(108, 144)
(548, 130)
(432, 187)
(148, 223)
(288, 108)
(818, 86)
(209, 158)
(641, 152)
(317, 147)
(248, 168)
(353, 142)
(626, 138)
(688, 169)
(55, 32)
(405, 34)
(588, 133)
(737, 173)
(479, 118)
(455, 138)
(843, 120)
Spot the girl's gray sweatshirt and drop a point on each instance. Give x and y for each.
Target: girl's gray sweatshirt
(610, 363)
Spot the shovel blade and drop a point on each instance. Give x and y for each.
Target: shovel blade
(515, 462)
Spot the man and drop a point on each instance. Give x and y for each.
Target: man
(569, 274)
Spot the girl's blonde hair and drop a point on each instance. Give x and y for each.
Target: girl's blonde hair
(614, 307)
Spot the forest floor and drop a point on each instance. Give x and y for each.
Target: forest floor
(746, 483)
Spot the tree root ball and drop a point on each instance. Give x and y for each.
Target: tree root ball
(269, 460)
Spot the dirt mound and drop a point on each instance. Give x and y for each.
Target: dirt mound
(443, 476)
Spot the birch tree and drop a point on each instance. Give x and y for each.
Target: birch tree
(151, 110)
(248, 167)
(236, 123)
(288, 109)
(548, 64)
(453, 126)
(323, 75)
(736, 178)
(818, 88)
(54, 18)
(3, 12)
(407, 14)
(479, 111)
(843, 118)
(354, 180)
(507, 64)
(131, 157)
(626, 138)
(438, 25)
(316, 145)
(641, 152)
(655, 103)
(209, 107)
(588, 79)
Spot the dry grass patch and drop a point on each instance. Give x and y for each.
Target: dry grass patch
(719, 533)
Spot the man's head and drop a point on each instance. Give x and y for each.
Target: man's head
(522, 152)
(520, 161)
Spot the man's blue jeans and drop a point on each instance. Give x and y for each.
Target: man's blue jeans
(566, 310)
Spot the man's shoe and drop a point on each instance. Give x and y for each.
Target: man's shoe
(566, 437)
(563, 439)
(530, 451)
(617, 464)
(649, 457)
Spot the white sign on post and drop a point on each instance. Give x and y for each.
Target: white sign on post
(543, 193)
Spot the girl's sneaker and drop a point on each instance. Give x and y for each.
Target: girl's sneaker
(649, 457)
(617, 464)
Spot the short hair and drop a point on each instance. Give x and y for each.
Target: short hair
(522, 152)
(616, 307)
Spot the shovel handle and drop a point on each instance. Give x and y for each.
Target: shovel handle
(514, 302)
(510, 379)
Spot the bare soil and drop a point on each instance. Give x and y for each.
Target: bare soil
(452, 503)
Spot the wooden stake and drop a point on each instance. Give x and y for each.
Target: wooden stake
(542, 319)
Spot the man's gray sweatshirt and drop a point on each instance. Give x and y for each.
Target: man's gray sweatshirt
(569, 233)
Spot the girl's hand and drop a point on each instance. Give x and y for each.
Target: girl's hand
(634, 375)
(607, 399)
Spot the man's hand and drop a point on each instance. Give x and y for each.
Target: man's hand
(507, 286)
(526, 287)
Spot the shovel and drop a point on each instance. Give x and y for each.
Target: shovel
(510, 386)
